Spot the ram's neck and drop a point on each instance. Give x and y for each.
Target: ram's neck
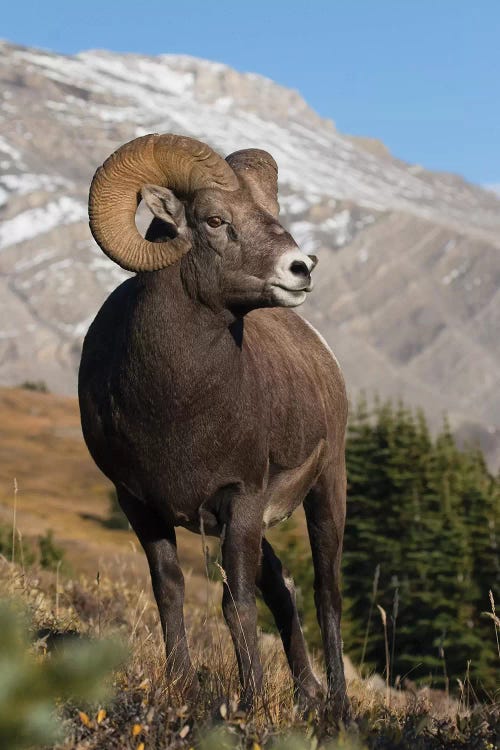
(182, 344)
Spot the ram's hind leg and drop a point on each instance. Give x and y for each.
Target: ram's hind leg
(240, 559)
(159, 543)
(278, 592)
(325, 513)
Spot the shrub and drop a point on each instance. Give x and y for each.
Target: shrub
(50, 554)
(23, 552)
(116, 517)
(40, 386)
(31, 685)
(26, 552)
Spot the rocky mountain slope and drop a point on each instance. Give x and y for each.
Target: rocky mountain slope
(407, 289)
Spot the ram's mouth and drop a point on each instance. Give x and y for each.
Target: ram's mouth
(292, 292)
(286, 297)
(307, 288)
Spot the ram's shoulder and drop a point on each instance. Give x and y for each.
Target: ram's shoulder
(291, 332)
(319, 341)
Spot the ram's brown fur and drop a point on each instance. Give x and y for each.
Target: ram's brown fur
(211, 408)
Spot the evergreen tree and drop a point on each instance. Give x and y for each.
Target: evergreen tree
(426, 514)
(421, 541)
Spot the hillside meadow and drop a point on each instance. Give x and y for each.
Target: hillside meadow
(81, 621)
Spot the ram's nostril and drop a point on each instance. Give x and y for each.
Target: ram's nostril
(299, 268)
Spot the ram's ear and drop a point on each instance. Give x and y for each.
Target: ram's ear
(164, 205)
(259, 170)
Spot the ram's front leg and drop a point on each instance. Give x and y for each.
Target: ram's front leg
(158, 541)
(240, 557)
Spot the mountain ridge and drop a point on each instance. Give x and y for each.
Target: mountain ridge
(407, 288)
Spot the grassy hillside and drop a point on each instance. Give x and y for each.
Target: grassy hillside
(142, 711)
(49, 483)
(60, 488)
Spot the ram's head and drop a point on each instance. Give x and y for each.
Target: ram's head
(223, 212)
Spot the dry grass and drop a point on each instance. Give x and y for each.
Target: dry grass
(148, 712)
(60, 488)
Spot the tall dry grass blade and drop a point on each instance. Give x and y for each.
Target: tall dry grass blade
(58, 568)
(226, 583)
(370, 614)
(14, 521)
(496, 620)
(394, 619)
(442, 656)
(206, 553)
(98, 584)
(467, 684)
(461, 700)
(383, 616)
(206, 560)
(21, 549)
(138, 615)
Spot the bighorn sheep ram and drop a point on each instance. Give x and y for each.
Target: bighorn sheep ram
(211, 405)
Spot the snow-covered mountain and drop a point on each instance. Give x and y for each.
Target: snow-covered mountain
(407, 290)
(495, 188)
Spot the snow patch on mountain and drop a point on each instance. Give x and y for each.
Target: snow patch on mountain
(9, 150)
(493, 188)
(173, 93)
(24, 182)
(37, 221)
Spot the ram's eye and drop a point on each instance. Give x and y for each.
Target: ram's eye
(214, 221)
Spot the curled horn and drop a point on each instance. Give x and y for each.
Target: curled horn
(260, 171)
(177, 162)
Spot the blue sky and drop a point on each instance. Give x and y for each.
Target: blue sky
(422, 76)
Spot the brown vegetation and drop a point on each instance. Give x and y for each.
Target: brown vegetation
(60, 488)
(40, 445)
(145, 710)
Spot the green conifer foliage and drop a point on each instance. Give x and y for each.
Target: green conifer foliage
(425, 515)
(422, 541)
